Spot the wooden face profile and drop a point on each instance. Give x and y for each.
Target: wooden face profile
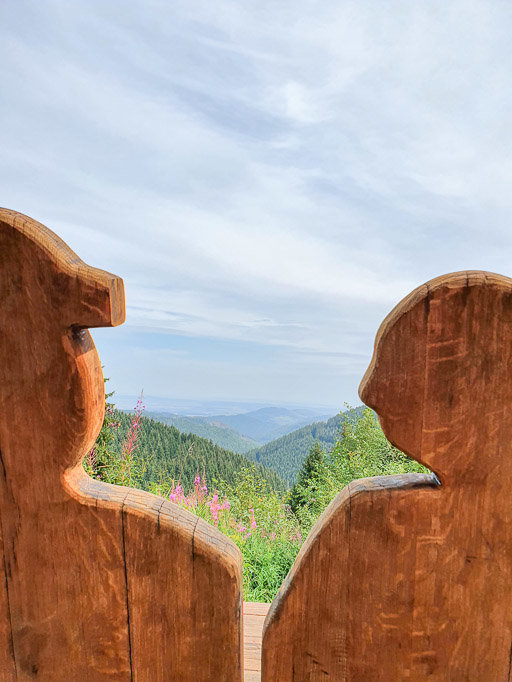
(403, 578)
(52, 375)
(439, 378)
(97, 582)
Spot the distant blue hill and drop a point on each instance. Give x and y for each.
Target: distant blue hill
(268, 423)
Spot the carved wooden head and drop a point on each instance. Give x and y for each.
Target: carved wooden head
(440, 378)
(50, 371)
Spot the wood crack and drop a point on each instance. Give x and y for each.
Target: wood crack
(509, 663)
(127, 593)
(11, 636)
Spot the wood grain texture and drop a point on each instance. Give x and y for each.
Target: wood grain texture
(401, 578)
(97, 582)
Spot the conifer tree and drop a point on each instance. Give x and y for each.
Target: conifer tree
(303, 491)
(99, 460)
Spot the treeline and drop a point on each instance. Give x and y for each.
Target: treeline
(166, 455)
(286, 455)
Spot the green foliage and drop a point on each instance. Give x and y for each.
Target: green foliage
(255, 517)
(102, 461)
(360, 451)
(250, 491)
(308, 478)
(285, 455)
(267, 533)
(265, 566)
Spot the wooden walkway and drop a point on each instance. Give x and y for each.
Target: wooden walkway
(254, 617)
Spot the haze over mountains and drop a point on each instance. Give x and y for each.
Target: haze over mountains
(210, 408)
(242, 432)
(268, 423)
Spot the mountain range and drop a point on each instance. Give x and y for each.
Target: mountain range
(267, 423)
(170, 455)
(268, 436)
(244, 431)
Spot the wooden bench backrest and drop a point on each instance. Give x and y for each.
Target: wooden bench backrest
(403, 578)
(97, 582)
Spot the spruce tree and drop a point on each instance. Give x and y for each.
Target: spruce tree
(303, 491)
(98, 462)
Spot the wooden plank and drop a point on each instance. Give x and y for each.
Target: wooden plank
(100, 583)
(254, 617)
(252, 676)
(255, 608)
(402, 578)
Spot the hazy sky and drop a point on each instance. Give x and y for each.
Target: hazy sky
(269, 178)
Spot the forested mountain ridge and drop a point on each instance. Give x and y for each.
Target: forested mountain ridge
(286, 454)
(220, 434)
(168, 455)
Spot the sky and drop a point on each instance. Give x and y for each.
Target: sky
(269, 178)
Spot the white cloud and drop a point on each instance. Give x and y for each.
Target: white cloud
(274, 173)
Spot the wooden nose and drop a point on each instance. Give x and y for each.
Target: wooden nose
(100, 301)
(77, 294)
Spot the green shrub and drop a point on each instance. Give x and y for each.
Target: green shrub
(360, 451)
(265, 565)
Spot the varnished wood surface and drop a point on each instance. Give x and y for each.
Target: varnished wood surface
(97, 583)
(402, 578)
(254, 617)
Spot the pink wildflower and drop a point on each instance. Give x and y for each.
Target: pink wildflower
(190, 501)
(176, 495)
(130, 442)
(214, 506)
(200, 488)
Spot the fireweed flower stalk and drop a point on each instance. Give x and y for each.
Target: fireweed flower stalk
(205, 504)
(200, 502)
(176, 494)
(268, 523)
(256, 519)
(129, 469)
